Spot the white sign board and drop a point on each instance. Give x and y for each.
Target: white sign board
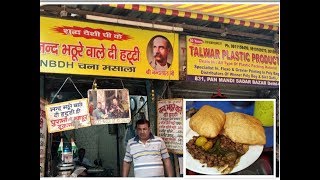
(68, 115)
(170, 126)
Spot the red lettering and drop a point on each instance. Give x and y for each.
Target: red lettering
(224, 54)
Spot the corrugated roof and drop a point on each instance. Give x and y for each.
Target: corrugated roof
(264, 16)
(260, 13)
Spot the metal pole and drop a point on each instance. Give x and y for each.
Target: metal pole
(118, 157)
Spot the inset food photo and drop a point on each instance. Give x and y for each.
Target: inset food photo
(230, 136)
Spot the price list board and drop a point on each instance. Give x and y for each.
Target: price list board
(170, 124)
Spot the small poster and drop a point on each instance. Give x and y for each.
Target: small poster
(170, 127)
(43, 136)
(109, 106)
(67, 115)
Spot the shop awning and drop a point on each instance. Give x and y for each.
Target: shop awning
(263, 16)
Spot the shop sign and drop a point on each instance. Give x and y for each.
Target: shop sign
(75, 47)
(109, 106)
(43, 136)
(211, 60)
(67, 115)
(169, 124)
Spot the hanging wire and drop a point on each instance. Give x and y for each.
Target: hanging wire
(145, 102)
(164, 89)
(62, 86)
(59, 90)
(169, 92)
(76, 87)
(122, 84)
(94, 85)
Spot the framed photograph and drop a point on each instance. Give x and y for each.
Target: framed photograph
(109, 106)
(159, 53)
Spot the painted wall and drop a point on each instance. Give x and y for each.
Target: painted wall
(98, 144)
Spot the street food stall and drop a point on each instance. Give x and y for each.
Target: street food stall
(98, 76)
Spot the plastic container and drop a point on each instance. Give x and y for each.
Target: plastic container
(67, 155)
(264, 111)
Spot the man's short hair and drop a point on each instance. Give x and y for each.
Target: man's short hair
(163, 37)
(142, 121)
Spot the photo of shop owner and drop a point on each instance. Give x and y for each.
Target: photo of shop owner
(160, 53)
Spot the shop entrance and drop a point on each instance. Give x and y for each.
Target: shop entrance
(104, 144)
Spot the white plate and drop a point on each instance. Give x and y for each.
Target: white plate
(194, 165)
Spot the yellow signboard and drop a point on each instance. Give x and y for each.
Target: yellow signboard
(75, 47)
(210, 60)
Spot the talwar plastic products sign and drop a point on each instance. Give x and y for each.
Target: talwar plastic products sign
(75, 47)
(68, 115)
(211, 60)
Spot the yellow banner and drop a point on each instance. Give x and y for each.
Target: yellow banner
(211, 60)
(75, 47)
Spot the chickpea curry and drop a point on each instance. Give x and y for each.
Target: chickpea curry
(218, 152)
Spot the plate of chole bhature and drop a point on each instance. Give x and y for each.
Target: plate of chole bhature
(222, 143)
